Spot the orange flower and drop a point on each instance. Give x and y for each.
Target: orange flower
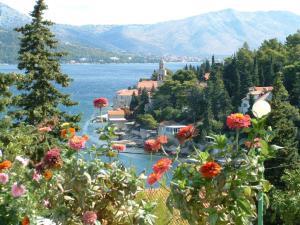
(153, 178)
(162, 139)
(48, 175)
(210, 169)
(25, 221)
(162, 165)
(118, 147)
(238, 121)
(152, 145)
(186, 133)
(86, 137)
(6, 164)
(77, 142)
(70, 131)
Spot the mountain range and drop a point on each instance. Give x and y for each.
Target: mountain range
(219, 33)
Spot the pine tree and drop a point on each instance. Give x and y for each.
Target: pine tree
(134, 102)
(213, 60)
(40, 98)
(282, 119)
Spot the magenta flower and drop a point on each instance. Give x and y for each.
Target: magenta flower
(89, 217)
(22, 160)
(36, 176)
(100, 102)
(3, 178)
(17, 190)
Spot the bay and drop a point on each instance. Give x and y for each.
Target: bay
(103, 80)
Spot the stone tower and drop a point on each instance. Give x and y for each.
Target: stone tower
(162, 73)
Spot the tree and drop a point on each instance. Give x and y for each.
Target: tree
(40, 98)
(282, 119)
(184, 75)
(255, 73)
(147, 121)
(134, 102)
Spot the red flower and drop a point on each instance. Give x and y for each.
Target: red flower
(100, 102)
(162, 165)
(89, 217)
(238, 121)
(118, 147)
(52, 158)
(25, 221)
(153, 178)
(210, 169)
(6, 164)
(152, 145)
(162, 139)
(186, 133)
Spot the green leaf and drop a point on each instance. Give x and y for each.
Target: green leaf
(213, 218)
(266, 185)
(247, 191)
(264, 147)
(245, 205)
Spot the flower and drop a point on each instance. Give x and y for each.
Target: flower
(65, 132)
(63, 125)
(22, 160)
(253, 144)
(238, 121)
(89, 217)
(17, 190)
(46, 203)
(153, 178)
(3, 178)
(77, 142)
(36, 176)
(162, 165)
(52, 159)
(163, 139)
(40, 167)
(152, 145)
(48, 175)
(25, 221)
(210, 169)
(45, 129)
(186, 133)
(100, 102)
(118, 147)
(6, 164)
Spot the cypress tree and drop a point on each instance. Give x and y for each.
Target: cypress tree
(40, 98)
(134, 102)
(255, 73)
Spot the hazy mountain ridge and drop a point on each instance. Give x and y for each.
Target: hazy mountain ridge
(220, 32)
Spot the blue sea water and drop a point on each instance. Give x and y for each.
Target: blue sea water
(103, 80)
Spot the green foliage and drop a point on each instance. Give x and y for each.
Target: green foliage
(39, 98)
(147, 121)
(285, 203)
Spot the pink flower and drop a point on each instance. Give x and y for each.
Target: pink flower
(52, 158)
(46, 203)
(77, 142)
(22, 160)
(152, 145)
(17, 190)
(100, 102)
(36, 176)
(3, 178)
(118, 147)
(89, 217)
(45, 129)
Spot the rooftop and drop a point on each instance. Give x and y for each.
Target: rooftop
(126, 92)
(118, 112)
(148, 84)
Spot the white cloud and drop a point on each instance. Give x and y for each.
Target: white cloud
(143, 11)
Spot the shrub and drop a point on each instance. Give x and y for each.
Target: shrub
(147, 121)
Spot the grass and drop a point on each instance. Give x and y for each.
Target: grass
(164, 217)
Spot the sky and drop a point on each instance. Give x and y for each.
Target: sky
(80, 12)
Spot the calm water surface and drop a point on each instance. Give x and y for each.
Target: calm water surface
(103, 80)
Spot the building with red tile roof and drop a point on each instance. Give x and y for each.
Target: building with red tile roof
(123, 98)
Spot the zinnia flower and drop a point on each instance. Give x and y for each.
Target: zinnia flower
(36, 176)
(17, 190)
(77, 142)
(186, 133)
(100, 102)
(152, 145)
(67, 132)
(118, 147)
(238, 121)
(52, 158)
(40, 167)
(45, 129)
(3, 178)
(89, 217)
(253, 144)
(153, 178)
(210, 169)
(22, 160)
(6, 164)
(162, 139)
(48, 175)
(162, 165)
(25, 221)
